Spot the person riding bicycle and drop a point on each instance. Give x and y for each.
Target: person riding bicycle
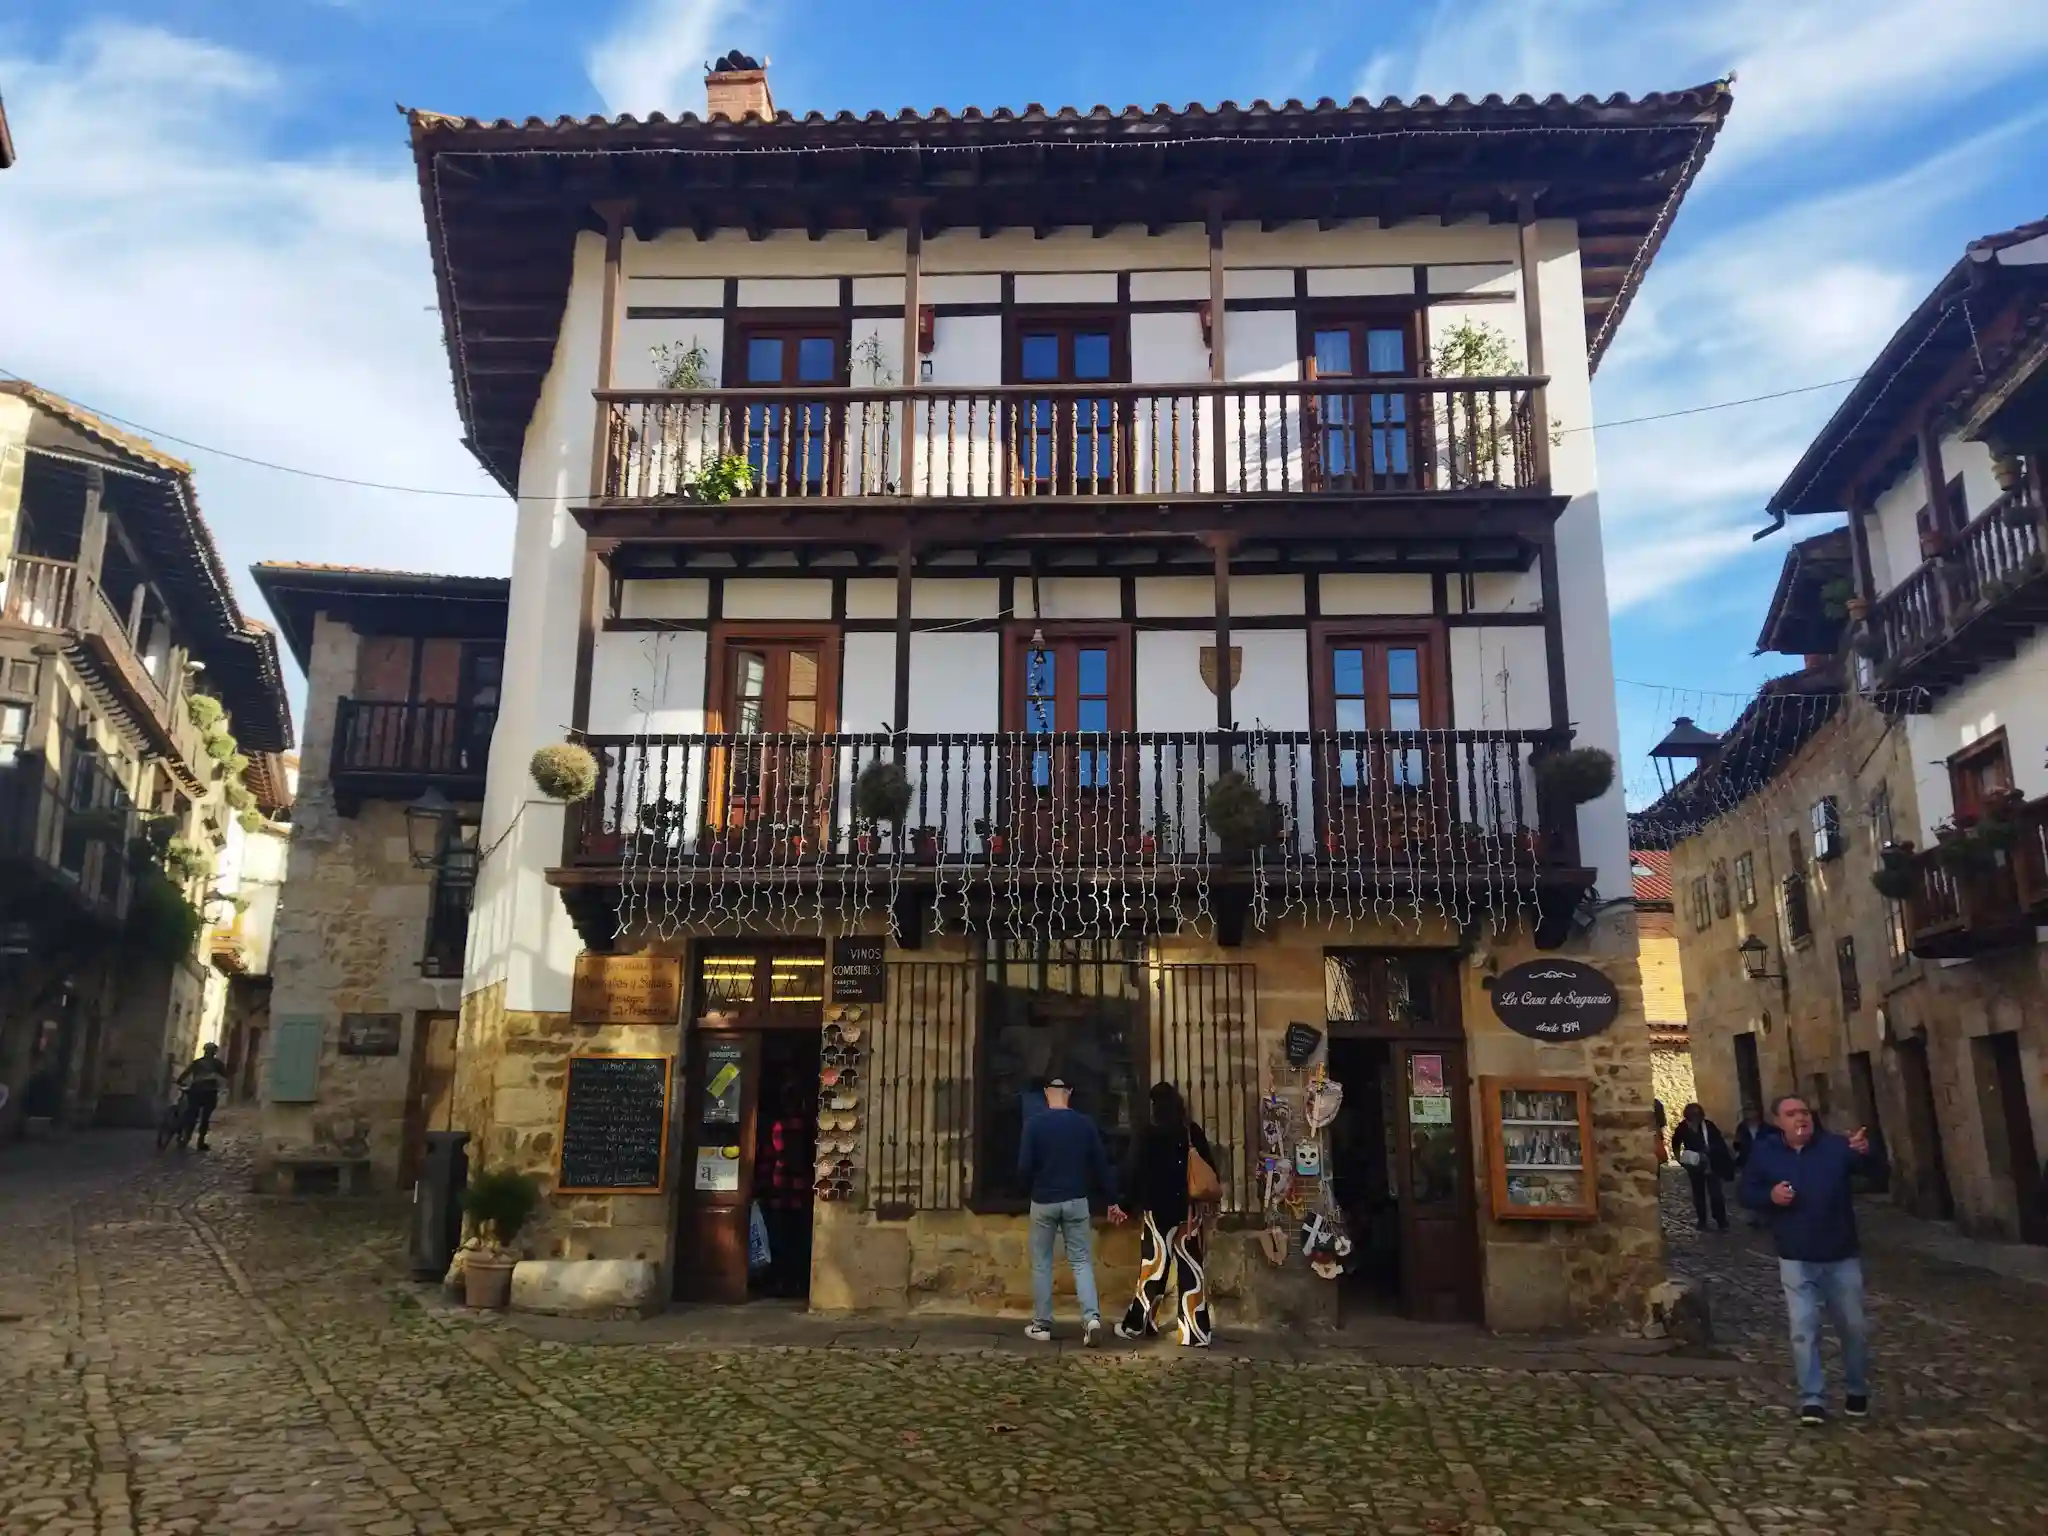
(202, 1082)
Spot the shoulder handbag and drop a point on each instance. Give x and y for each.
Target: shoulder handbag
(1204, 1188)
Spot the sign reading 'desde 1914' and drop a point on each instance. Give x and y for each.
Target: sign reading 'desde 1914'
(1554, 1000)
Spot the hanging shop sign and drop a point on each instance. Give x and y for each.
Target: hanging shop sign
(370, 1034)
(1555, 1000)
(626, 989)
(1301, 1041)
(859, 973)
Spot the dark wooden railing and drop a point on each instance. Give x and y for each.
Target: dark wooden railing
(1441, 805)
(2002, 550)
(406, 740)
(39, 592)
(80, 840)
(1149, 442)
(1990, 899)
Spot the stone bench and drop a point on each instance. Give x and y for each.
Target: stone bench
(315, 1173)
(585, 1287)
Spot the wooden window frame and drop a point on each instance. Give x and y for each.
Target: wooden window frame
(1409, 315)
(1723, 906)
(1022, 320)
(1118, 639)
(726, 636)
(1745, 881)
(1325, 635)
(1824, 822)
(1845, 974)
(1700, 904)
(1988, 749)
(741, 328)
(1795, 896)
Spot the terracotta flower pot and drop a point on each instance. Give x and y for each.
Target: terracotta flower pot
(487, 1280)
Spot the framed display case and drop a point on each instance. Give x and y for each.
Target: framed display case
(1539, 1148)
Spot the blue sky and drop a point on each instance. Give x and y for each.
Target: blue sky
(214, 228)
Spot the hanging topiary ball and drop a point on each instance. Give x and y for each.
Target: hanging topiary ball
(564, 771)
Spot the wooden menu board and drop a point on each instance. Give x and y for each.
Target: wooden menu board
(626, 989)
(614, 1125)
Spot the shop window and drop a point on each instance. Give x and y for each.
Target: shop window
(1845, 972)
(1064, 1008)
(1721, 907)
(1745, 881)
(1827, 828)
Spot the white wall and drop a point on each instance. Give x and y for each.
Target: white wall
(1895, 542)
(1500, 679)
(2013, 695)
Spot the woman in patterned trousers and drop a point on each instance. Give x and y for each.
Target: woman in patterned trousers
(1172, 1289)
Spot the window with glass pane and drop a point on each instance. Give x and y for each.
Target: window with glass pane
(1389, 989)
(1067, 688)
(1067, 442)
(790, 445)
(773, 689)
(1377, 686)
(1361, 440)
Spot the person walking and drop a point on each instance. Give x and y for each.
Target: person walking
(1746, 1136)
(1173, 1186)
(1799, 1180)
(202, 1083)
(1703, 1152)
(1059, 1159)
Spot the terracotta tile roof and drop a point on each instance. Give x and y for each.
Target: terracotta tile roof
(1651, 869)
(244, 649)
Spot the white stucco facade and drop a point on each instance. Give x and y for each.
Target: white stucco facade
(649, 669)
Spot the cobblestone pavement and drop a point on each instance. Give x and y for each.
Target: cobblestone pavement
(177, 1356)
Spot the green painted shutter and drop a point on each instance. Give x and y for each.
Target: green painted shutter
(295, 1059)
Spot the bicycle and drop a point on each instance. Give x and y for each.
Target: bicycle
(176, 1121)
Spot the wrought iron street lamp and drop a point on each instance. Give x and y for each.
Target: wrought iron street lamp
(427, 821)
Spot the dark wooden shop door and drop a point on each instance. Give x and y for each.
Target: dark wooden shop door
(723, 1090)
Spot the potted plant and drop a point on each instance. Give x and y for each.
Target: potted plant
(1869, 644)
(1577, 775)
(995, 840)
(1238, 814)
(924, 841)
(1835, 597)
(565, 771)
(1894, 877)
(2008, 470)
(882, 793)
(498, 1203)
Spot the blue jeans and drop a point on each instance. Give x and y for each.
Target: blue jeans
(1067, 1218)
(1838, 1288)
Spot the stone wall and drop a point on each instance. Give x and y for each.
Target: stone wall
(350, 931)
(1808, 1038)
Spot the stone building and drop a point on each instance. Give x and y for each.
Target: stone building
(141, 721)
(1914, 747)
(402, 678)
(1199, 537)
(1663, 981)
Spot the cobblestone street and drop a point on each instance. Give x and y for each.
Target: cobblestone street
(180, 1356)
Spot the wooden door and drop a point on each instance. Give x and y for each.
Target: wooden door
(780, 689)
(1439, 1261)
(2014, 1125)
(428, 1104)
(722, 1100)
(1074, 779)
(1383, 784)
(792, 446)
(1931, 1194)
(1363, 442)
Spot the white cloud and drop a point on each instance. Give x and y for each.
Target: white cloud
(1806, 69)
(653, 58)
(164, 266)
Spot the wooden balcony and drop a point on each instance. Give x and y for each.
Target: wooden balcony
(1966, 608)
(56, 595)
(1988, 899)
(1350, 821)
(394, 751)
(1425, 457)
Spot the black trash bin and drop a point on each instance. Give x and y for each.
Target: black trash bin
(437, 1203)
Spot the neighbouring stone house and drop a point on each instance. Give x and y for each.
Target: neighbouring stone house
(1908, 755)
(1663, 981)
(141, 720)
(1137, 616)
(402, 678)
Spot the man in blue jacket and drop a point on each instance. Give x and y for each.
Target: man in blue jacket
(1799, 1180)
(1060, 1158)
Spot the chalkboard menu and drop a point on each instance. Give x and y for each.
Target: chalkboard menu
(615, 1125)
(858, 971)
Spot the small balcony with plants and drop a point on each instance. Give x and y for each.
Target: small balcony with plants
(1983, 886)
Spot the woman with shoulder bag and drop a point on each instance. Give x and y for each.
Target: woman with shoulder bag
(1703, 1153)
(1174, 1191)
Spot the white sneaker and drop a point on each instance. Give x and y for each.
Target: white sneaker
(1090, 1332)
(1038, 1333)
(1132, 1334)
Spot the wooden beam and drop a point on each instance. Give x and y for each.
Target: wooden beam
(1532, 330)
(905, 560)
(1219, 545)
(1553, 631)
(913, 281)
(1935, 482)
(92, 528)
(1859, 545)
(1218, 367)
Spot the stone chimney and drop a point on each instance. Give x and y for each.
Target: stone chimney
(737, 85)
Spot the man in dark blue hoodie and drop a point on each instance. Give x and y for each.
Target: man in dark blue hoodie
(1061, 1159)
(1799, 1180)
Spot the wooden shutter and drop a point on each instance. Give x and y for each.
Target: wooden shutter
(295, 1059)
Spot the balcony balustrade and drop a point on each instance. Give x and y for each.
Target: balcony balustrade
(1088, 444)
(1974, 894)
(394, 750)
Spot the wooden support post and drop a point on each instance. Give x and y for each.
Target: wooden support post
(913, 289)
(1219, 368)
(1941, 517)
(1532, 332)
(135, 602)
(1553, 632)
(92, 528)
(901, 713)
(1219, 544)
(1859, 546)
